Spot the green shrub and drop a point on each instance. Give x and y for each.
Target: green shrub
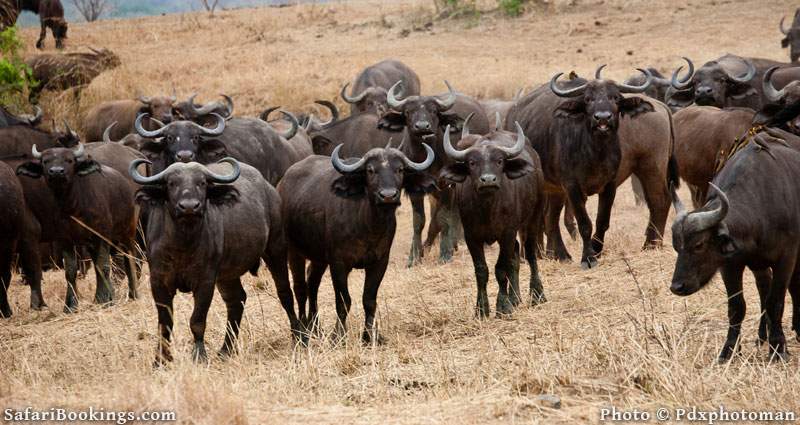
(16, 78)
(512, 7)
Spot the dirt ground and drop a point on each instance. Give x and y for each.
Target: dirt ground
(612, 336)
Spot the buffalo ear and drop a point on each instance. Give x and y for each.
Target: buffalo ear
(392, 121)
(222, 194)
(150, 194)
(350, 185)
(785, 42)
(30, 169)
(767, 113)
(455, 173)
(634, 105)
(726, 243)
(517, 167)
(741, 91)
(321, 145)
(87, 167)
(418, 183)
(452, 119)
(570, 109)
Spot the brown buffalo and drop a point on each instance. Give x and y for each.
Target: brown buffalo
(374, 82)
(51, 15)
(122, 114)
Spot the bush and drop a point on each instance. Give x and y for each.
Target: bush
(512, 7)
(16, 78)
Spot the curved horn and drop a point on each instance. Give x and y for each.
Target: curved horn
(174, 96)
(421, 166)
(784, 31)
(209, 107)
(107, 133)
(517, 148)
(352, 99)
(69, 130)
(451, 98)
(402, 143)
(35, 153)
(685, 82)
(392, 100)
(751, 72)
(519, 94)
(146, 133)
(334, 111)
(265, 115)
(143, 180)
(625, 88)
(229, 104)
(79, 151)
(597, 74)
(449, 150)
(577, 91)
(708, 219)
(37, 117)
(770, 92)
(497, 121)
(465, 126)
(340, 166)
(145, 99)
(219, 178)
(216, 131)
(295, 125)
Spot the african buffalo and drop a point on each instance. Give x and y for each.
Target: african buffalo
(574, 131)
(424, 119)
(19, 233)
(94, 208)
(51, 15)
(373, 83)
(310, 123)
(123, 114)
(342, 215)
(784, 104)
(792, 36)
(59, 72)
(204, 113)
(658, 86)
(207, 229)
(499, 194)
(751, 219)
(358, 133)
(7, 119)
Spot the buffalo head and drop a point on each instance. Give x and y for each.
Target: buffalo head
(294, 124)
(702, 242)
(182, 141)
(381, 174)
(105, 58)
(599, 102)
(202, 114)
(791, 37)
(713, 84)
(59, 166)
(371, 99)
(783, 109)
(487, 161)
(421, 115)
(186, 188)
(158, 107)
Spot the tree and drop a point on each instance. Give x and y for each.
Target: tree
(210, 5)
(16, 78)
(91, 9)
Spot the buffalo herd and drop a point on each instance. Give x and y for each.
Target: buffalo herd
(204, 196)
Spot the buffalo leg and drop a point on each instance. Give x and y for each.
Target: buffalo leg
(604, 207)
(235, 297)
(502, 272)
(297, 265)
(475, 248)
(531, 245)
(32, 269)
(71, 273)
(418, 211)
(555, 245)
(569, 222)
(104, 293)
(315, 272)
(514, 291)
(794, 291)
(578, 201)
(763, 282)
(276, 263)
(6, 260)
(339, 274)
(132, 272)
(781, 275)
(163, 298)
(372, 282)
(203, 294)
(732, 276)
(658, 198)
(42, 35)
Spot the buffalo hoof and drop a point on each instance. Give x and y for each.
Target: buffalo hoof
(162, 360)
(69, 309)
(5, 312)
(199, 354)
(337, 338)
(650, 245)
(372, 338)
(797, 337)
(40, 45)
(446, 258)
(37, 301)
(776, 356)
(226, 352)
(589, 263)
(597, 247)
(537, 299)
(503, 307)
(728, 350)
(482, 312)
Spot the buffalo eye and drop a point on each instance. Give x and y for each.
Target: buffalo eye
(472, 163)
(698, 246)
(499, 162)
(370, 170)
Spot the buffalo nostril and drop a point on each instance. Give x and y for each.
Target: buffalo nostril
(488, 178)
(189, 205)
(184, 156)
(704, 90)
(602, 115)
(423, 125)
(388, 193)
(56, 171)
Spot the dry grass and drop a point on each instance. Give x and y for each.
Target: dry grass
(602, 339)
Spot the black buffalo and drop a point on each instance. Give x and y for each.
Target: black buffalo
(374, 82)
(574, 131)
(342, 215)
(205, 230)
(7, 119)
(499, 194)
(750, 219)
(791, 37)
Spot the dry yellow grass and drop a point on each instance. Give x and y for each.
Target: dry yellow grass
(610, 336)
